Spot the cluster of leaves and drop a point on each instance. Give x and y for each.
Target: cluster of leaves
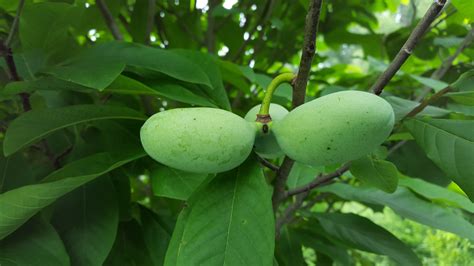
(77, 188)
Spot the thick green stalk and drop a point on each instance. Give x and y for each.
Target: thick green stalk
(267, 99)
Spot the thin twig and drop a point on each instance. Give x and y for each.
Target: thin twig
(267, 164)
(109, 20)
(267, 11)
(150, 20)
(320, 180)
(448, 62)
(299, 90)
(427, 101)
(407, 48)
(210, 32)
(289, 212)
(14, 27)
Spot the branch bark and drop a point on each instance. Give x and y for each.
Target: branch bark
(210, 32)
(319, 181)
(299, 91)
(407, 48)
(109, 20)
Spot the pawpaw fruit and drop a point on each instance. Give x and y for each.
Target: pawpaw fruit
(266, 144)
(335, 128)
(199, 140)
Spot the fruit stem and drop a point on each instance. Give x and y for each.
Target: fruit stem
(267, 99)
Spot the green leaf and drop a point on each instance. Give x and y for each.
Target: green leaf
(156, 237)
(210, 66)
(322, 245)
(437, 193)
(450, 145)
(288, 249)
(361, 233)
(176, 184)
(36, 124)
(232, 217)
(436, 85)
(129, 247)
(180, 93)
(19, 205)
(82, 218)
(89, 69)
(36, 243)
(409, 206)
(465, 82)
(139, 20)
(154, 59)
(402, 107)
(301, 174)
(378, 173)
(463, 97)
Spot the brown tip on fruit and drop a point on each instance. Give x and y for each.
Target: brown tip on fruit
(264, 119)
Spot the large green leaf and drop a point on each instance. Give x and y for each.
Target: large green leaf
(155, 236)
(406, 204)
(436, 85)
(180, 93)
(361, 233)
(450, 145)
(174, 183)
(82, 218)
(36, 243)
(232, 217)
(36, 124)
(301, 174)
(19, 205)
(378, 173)
(463, 97)
(89, 69)
(437, 193)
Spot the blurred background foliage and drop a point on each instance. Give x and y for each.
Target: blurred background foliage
(66, 55)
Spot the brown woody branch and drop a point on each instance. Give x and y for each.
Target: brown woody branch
(299, 91)
(319, 181)
(109, 20)
(407, 48)
(267, 164)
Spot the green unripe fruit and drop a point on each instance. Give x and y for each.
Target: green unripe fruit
(199, 140)
(266, 144)
(335, 128)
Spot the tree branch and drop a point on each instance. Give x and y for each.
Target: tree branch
(210, 32)
(309, 49)
(16, 20)
(409, 45)
(267, 164)
(319, 181)
(299, 91)
(109, 20)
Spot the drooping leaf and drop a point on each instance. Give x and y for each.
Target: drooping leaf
(465, 82)
(174, 183)
(288, 249)
(450, 145)
(436, 85)
(223, 217)
(155, 236)
(463, 97)
(139, 20)
(36, 124)
(406, 204)
(129, 247)
(361, 233)
(19, 205)
(82, 218)
(437, 193)
(378, 173)
(36, 243)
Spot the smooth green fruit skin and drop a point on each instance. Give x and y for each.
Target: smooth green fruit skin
(335, 128)
(266, 144)
(199, 140)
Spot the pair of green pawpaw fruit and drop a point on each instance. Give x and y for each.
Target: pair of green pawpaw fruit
(332, 129)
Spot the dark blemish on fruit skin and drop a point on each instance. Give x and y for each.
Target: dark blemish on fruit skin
(328, 148)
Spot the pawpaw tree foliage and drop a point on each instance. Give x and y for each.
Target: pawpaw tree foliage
(80, 77)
